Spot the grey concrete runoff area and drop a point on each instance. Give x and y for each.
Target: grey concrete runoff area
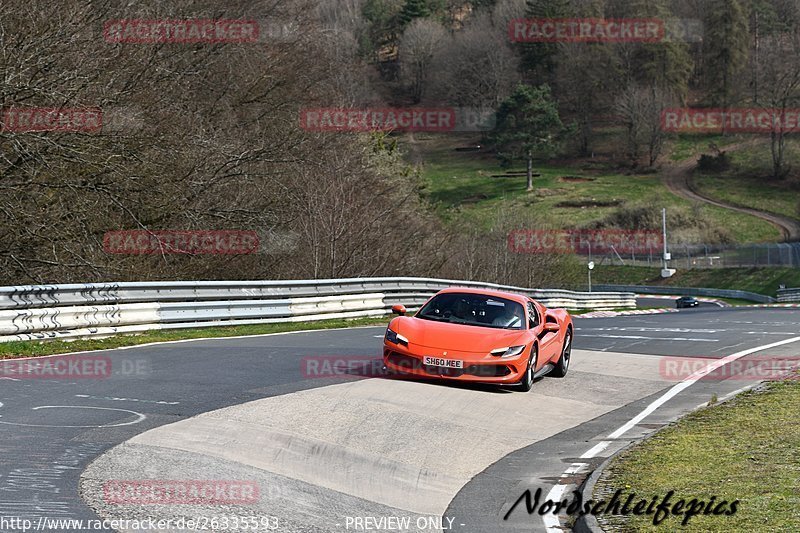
(348, 452)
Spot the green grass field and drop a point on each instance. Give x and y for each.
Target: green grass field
(748, 183)
(761, 194)
(685, 146)
(744, 450)
(460, 186)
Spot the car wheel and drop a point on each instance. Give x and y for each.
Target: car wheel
(566, 353)
(527, 378)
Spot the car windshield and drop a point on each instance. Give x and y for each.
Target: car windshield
(474, 310)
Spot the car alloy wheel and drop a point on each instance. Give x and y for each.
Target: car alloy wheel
(527, 379)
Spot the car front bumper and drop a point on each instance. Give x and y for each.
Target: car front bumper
(476, 368)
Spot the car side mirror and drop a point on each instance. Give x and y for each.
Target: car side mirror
(551, 327)
(399, 310)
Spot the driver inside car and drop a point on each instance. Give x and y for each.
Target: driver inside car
(462, 310)
(507, 319)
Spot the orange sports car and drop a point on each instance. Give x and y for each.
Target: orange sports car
(480, 336)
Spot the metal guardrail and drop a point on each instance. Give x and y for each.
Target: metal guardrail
(34, 312)
(688, 291)
(788, 295)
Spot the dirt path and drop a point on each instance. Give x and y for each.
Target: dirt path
(678, 179)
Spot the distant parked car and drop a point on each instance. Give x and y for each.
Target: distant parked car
(686, 301)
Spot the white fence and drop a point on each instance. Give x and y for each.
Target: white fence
(788, 295)
(689, 256)
(84, 310)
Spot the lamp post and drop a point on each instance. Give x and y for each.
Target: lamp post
(666, 272)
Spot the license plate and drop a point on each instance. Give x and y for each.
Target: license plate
(444, 363)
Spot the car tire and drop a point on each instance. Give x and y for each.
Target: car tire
(562, 366)
(527, 378)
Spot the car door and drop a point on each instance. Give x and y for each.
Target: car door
(549, 345)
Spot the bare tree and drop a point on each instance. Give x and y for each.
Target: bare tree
(196, 137)
(780, 78)
(341, 15)
(505, 11)
(640, 109)
(588, 73)
(476, 66)
(418, 46)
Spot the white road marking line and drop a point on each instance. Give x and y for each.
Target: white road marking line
(551, 522)
(686, 330)
(640, 337)
(115, 399)
(690, 380)
(657, 330)
(596, 450)
(769, 332)
(574, 468)
(140, 417)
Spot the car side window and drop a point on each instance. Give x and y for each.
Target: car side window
(533, 316)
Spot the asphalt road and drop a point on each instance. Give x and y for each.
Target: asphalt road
(668, 302)
(705, 331)
(355, 446)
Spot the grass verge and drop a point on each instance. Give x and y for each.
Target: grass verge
(40, 348)
(745, 450)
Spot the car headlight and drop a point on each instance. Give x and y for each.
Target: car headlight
(508, 351)
(395, 338)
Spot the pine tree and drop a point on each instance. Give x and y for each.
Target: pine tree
(413, 9)
(666, 64)
(541, 57)
(528, 126)
(726, 48)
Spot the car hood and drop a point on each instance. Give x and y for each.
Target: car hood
(456, 337)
